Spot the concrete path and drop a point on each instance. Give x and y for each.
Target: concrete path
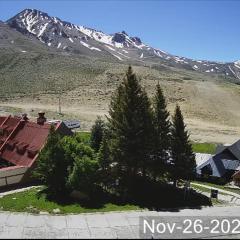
(226, 196)
(230, 200)
(5, 193)
(98, 225)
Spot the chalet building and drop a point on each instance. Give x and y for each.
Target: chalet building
(224, 164)
(21, 140)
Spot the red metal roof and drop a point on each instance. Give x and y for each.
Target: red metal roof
(2, 119)
(7, 125)
(22, 140)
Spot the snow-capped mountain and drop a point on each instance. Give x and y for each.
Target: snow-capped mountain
(64, 36)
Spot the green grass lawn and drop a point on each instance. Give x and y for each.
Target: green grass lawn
(206, 190)
(30, 201)
(217, 202)
(143, 197)
(204, 147)
(226, 188)
(202, 189)
(197, 147)
(232, 190)
(85, 136)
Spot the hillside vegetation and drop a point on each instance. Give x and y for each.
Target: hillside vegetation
(33, 80)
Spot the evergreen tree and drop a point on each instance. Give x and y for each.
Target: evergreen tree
(104, 158)
(184, 164)
(97, 133)
(130, 124)
(162, 134)
(104, 153)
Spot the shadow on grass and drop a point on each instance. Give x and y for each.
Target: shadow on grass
(143, 194)
(165, 197)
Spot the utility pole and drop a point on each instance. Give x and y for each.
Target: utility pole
(59, 105)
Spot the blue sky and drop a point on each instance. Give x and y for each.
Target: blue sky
(198, 29)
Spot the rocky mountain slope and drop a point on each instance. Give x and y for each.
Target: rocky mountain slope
(68, 37)
(14, 41)
(42, 58)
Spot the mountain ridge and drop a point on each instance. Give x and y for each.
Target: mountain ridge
(77, 39)
(34, 73)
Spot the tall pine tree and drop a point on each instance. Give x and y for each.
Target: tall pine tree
(130, 124)
(107, 172)
(162, 132)
(184, 164)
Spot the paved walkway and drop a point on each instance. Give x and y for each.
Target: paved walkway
(5, 193)
(219, 190)
(98, 225)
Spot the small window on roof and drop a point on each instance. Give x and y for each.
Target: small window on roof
(1, 131)
(11, 145)
(21, 148)
(32, 151)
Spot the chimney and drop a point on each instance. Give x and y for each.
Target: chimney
(41, 118)
(25, 117)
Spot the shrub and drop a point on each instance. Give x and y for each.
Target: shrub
(52, 165)
(97, 132)
(84, 174)
(65, 164)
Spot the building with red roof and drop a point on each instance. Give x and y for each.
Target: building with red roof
(21, 140)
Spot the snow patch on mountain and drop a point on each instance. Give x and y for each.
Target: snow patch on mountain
(110, 48)
(54, 32)
(118, 45)
(96, 35)
(123, 55)
(88, 46)
(237, 64)
(178, 59)
(97, 49)
(42, 30)
(117, 57)
(232, 70)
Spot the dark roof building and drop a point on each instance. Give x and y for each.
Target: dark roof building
(224, 163)
(20, 142)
